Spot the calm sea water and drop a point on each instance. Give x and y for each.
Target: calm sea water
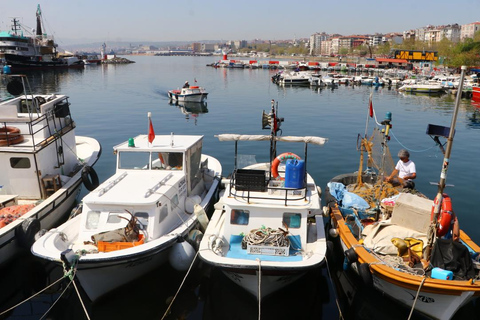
(111, 102)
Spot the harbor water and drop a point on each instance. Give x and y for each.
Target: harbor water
(111, 102)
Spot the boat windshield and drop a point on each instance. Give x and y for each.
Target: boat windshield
(134, 160)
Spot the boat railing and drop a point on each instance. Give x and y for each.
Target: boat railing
(45, 128)
(251, 184)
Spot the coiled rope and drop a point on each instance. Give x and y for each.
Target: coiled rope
(267, 237)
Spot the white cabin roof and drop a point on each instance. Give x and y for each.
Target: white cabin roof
(134, 188)
(161, 143)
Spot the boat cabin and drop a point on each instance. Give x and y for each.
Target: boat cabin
(256, 200)
(157, 183)
(37, 145)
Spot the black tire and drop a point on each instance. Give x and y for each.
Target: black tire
(351, 255)
(89, 178)
(365, 274)
(25, 233)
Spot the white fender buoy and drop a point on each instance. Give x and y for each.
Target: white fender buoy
(190, 203)
(201, 216)
(333, 233)
(181, 255)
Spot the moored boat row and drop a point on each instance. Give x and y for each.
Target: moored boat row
(266, 230)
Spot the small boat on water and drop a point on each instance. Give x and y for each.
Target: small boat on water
(298, 78)
(188, 94)
(422, 88)
(267, 229)
(43, 165)
(139, 218)
(398, 241)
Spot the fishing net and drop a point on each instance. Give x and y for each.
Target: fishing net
(380, 161)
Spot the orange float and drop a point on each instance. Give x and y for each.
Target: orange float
(280, 158)
(445, 215)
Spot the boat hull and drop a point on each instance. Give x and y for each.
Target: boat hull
(21, 63)
(261, 283)
(49, 213)
(98, 277)
(476, 93)
(195, 97)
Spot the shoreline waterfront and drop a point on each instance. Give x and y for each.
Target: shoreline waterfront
(111, 103)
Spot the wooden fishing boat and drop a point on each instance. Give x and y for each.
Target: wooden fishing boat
(138, 219)
(43, 165)
(267, 229)
(402, 245)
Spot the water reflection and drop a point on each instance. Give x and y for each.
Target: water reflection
(43, 82)
(191, 110)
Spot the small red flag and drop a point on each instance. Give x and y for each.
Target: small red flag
(370, 107)
(151, 133)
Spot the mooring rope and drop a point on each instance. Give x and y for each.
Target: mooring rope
(416, 297)
(181, 285)
(336, 298)
(31, 297)
(259, 288)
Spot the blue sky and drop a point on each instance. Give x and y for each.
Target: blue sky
(78, 22)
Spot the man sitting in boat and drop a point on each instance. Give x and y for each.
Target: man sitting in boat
(186, 85)
(405, 169)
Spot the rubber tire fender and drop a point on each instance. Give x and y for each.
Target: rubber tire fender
(89, 178)
(365, 274)
(351, 255)
(25, 232)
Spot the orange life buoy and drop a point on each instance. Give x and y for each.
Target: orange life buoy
(280, 158)
(445, 215)
(10, 135)
(7, 132)
(193, 87)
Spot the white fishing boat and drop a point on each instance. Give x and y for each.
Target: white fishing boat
(43, 165)
(399, 242)
(427, 88)
(267, 229)
(188, 94)
(293, 78)
(139, 218)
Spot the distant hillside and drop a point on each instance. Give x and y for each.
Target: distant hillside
(114, 45)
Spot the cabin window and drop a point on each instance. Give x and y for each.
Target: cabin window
(134, 160)
(292, 220)
(92, 219)
(167, 160)
(20, 163)
(240, 217)
(163, 213)
(142, 218)
(175, 201)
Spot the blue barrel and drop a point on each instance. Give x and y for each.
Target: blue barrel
(295, 174)
(6, 69)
